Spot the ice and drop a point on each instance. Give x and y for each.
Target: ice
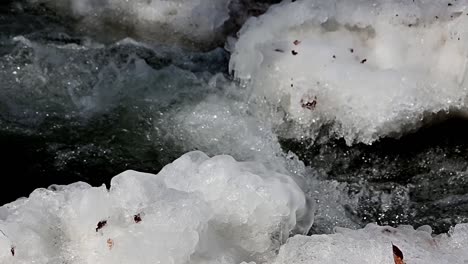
(196, 210)
(363, 69)
(121, 104)
(373, 244)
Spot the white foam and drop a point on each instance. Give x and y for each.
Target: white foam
(408, 59)
(221, 123)
(373, 244)
(196, 210)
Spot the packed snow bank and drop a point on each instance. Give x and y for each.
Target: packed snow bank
(168, 21)
(373, 244)
(196, 210)
(365, 68)
(200, 210)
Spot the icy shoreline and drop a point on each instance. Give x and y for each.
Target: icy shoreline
(200, 210)
(366, 70)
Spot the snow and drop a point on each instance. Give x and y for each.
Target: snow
(373, 244)
(196, 210)
(364, 69)
(367, 69)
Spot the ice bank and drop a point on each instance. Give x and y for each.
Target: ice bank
(201, 210)
(366, 69)
(373, 244)
(196, 210)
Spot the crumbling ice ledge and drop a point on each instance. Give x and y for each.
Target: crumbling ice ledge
(367, 69)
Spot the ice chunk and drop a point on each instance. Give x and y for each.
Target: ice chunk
(196, 210)
(373, 244)
(247, 196)
(367, 69)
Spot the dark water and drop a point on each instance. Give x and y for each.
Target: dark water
(49, 134)
(100, 125)
(419, 179)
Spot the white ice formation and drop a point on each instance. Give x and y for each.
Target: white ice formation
(196, 210)
(373, 245)
(367, 69)
(200, 210)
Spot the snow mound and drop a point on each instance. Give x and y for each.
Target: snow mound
(365, 69)
(373, 244)
(196, 210)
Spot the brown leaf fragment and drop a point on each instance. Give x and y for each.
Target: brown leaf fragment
(279, 50)
(296, 42)
(388, 230)
(101, 224)
(137, 218)
(397, 255)
(294, 52)
(309, 104)
(12, 250)
(110, 243)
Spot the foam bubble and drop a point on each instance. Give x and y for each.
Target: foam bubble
(366, 68)
(221, 123)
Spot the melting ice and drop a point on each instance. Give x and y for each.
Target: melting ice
(368, 69)
(197, 209)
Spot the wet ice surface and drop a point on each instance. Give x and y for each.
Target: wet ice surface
(365, 70)
(196, 209)
(74, 108)
(372, 244)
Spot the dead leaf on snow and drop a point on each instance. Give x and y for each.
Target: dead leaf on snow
(397, 255)
(110, 243)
